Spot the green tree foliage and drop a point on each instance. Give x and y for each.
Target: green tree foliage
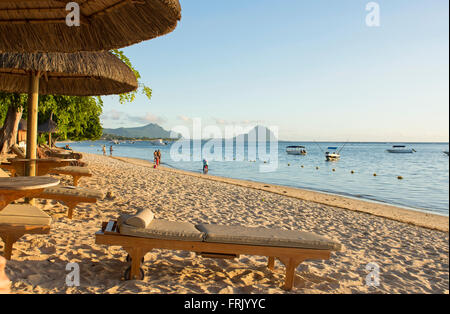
(78, 118)
(124, 98)
(10, 99)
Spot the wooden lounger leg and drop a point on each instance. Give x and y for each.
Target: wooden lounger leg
(291, 265)
(271, 263)
(9, 239)
(136, 255)
(75, 180)
(71, 206)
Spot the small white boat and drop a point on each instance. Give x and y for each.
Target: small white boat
(446, 153)
(296, 150)
(333, 155)
(400, 149)
(158, 142)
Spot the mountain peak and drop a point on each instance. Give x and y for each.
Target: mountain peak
(149, 131)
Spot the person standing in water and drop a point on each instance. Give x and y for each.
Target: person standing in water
(155, 158)
(205, 166)
(111, 150)
(104, 150)
(159, 156)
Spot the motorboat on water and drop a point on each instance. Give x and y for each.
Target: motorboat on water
(296, 150)
(158, 142)
(332, 154)
(400, 149)
(446, 152)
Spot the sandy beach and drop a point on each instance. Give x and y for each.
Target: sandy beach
(410, 248)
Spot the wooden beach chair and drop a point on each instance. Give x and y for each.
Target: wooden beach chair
(74, 171)
(44, 166)
(141, 233)
(69, 195)
(60, 152)
(18, 220)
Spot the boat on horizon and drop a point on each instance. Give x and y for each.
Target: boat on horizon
(296, 150)
(401, 149)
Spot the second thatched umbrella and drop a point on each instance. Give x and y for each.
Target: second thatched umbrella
(70, 74)
(49, 127)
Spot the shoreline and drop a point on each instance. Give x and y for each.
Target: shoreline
(392, 212)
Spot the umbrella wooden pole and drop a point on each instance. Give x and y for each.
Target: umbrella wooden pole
(33, 96)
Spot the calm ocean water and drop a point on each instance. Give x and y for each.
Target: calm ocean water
(425, 184)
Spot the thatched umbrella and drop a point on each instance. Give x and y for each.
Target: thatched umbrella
(40, 25)
(49, 127)
(71, 74)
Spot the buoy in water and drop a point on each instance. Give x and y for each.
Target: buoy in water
(400, 177)
(352, 172)
(302, 166)
(374, 174)
(289, 165)
(317, 168)
(334, 170)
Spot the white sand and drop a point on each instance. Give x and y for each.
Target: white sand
(412, 259)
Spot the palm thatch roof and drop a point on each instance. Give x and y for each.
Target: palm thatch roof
(40, 25)
(49, 126)
(71, 74)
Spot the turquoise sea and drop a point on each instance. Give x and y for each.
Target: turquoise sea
(424, 187)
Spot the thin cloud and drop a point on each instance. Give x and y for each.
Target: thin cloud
(125, 118)
(184, 118)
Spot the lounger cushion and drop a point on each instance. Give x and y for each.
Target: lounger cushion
(24, 214)
(81, 171)
(72, 191)
(266, 237)
(162, 230)
(141, 219)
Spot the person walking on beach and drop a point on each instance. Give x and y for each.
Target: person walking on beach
(205, 166)
(104, 150)
(111, 150)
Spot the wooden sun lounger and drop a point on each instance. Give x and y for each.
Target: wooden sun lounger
(13, 228)
(137, 247)
(70, 196)
(76, 172)
(17, 167)
(43, 166)
(61, 153)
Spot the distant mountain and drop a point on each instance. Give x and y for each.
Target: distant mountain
(148, 131)
(257, 133)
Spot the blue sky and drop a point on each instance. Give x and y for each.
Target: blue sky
(314, 69)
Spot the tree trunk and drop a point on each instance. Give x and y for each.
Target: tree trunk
(8, 133)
